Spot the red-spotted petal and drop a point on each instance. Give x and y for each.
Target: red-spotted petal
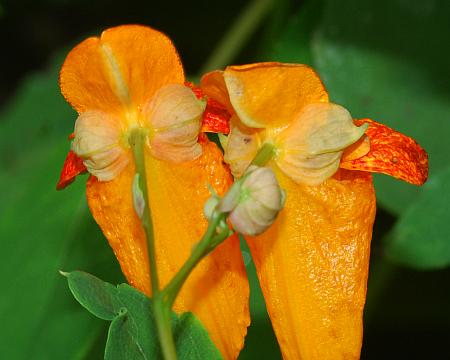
(216, 117)
(391, 153)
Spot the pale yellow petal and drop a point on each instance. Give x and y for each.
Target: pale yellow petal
(310, 149)
(174, 116)
(98, 141)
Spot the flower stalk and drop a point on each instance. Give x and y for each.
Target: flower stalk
(137, 142)
(264, 155)
(161, 311)
(217, 232)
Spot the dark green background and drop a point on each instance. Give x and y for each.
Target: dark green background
(385, 59)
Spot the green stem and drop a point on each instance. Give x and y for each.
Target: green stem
(265, 153)
(160, 310)
(137, 140)
(238, 35)
(216, 232)
(204, 246)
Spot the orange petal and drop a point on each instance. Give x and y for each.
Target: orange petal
(257, 90)
(391, 153)
(217, 290)
(127, 64)
(147, 59)
(214, 87)
(313, 265)
(195, 89)
(216, 116)
(73, 166)
(356, 150)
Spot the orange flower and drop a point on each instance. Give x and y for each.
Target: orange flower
(313, 262)
(129, 77)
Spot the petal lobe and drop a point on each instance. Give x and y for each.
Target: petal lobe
(391, 153)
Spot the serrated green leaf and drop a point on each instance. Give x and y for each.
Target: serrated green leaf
(421, 238)
(132, 333)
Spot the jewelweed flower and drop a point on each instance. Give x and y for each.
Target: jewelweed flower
(131, 77)
(312, 263)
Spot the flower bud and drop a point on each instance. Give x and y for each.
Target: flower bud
(210, 206)
(174, 116)
(138, 197)
(254, 201)
(98, 142)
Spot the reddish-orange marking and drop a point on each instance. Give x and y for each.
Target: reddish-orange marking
(216, 117)
(73, 166)
(391, 153)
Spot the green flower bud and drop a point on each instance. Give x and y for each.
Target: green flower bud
(254, 201)
(210, 206)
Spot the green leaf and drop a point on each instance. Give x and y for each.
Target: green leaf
(294, 43)
(132, 334)
(97, 296)
(38, 114)
(420, 238)
(191, 339)
(43, 231)
(121, 344)
(260, 338)
(384, 59)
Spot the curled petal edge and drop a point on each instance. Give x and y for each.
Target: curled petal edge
(391, 153)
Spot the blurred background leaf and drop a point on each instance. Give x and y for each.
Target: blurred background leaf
(43, 231)
(416, 239)
(383, 59)
(260, 340)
